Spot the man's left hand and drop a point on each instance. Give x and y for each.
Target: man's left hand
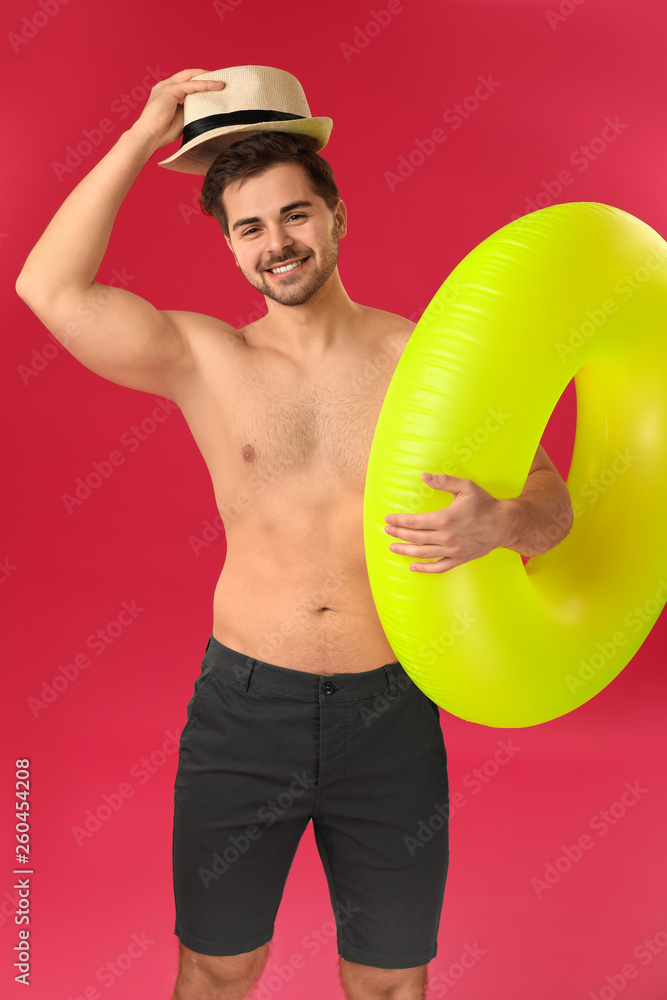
(472, 525)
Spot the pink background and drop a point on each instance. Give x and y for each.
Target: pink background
(131, 540)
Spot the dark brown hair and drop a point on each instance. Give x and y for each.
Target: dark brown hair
(257, 154)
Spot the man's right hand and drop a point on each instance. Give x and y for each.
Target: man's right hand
(162, 118)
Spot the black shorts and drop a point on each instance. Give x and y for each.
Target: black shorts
(266, 749)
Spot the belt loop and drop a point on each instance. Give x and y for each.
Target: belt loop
(243, 671)
(391, 681)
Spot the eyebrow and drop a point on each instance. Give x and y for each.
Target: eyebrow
(287, 208)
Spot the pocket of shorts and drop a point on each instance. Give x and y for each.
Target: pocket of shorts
(433, 712)
(200, 685)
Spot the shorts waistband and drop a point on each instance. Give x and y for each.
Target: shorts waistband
(387, 679)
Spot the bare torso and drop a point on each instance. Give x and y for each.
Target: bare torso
(287, 448)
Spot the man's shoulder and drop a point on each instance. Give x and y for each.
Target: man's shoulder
(390, 324)
(194, 325)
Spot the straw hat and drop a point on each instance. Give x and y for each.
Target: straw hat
(254, 99)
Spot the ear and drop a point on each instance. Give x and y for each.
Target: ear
(340, 215)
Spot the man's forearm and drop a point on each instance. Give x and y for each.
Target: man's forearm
(71, 249)
(540, 517)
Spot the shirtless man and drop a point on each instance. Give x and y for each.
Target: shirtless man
(301, 711)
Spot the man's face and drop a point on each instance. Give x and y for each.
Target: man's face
(277, 219)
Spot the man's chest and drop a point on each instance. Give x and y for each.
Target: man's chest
(284, 425)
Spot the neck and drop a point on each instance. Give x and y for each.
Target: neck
(307, 332)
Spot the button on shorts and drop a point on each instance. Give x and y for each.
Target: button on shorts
(266, 750)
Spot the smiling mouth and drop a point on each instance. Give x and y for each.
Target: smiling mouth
(281, 269)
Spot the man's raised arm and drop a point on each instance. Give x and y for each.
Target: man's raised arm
(115, 333)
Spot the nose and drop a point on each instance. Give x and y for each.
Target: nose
(277, 238)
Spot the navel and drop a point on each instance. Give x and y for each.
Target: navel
(248, 453)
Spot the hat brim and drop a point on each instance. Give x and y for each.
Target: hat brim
(198, 154)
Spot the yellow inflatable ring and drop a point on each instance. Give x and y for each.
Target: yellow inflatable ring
(571, 291)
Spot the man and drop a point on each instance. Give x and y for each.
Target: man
(301, 711)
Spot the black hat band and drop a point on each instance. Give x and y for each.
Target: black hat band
(210, 122)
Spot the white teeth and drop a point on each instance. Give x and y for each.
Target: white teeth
(287, 267)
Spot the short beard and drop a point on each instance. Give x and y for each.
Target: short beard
(298, 294)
